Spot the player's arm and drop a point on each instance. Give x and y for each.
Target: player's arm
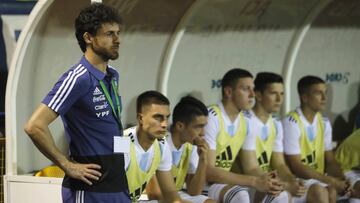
(218, 175)
(247, 155)
(333, 169)
(278, 163)
(301, 170)
(250, 166)
(38, 130)
(293, 185)
(306, 172)
(153, 189)
(195, 182)
(167, 186)
(193, 186)
(332, 166)
(249, 163)
(277, 160)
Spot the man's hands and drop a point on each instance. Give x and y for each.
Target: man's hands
(202, 149)
(84, 172)
(269, 183)
(342, 187)
(296, 187)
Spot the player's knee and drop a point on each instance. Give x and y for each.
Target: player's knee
(236, 194)
(209, 201)
(217, 191)
(317, 193)
(283, 197)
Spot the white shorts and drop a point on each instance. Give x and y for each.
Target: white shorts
(183, 195)
(310, 182)
(213, 191)
(269, 198)
(307, 184)
(194, 199)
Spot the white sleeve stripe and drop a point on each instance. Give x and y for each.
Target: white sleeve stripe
(71, 87)
(111, 67)
(64, 83)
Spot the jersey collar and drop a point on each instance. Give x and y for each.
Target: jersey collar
(268, 121)
(302, 117)
(94, 71)
(171, 143)
(226, 116)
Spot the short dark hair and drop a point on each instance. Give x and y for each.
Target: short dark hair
(150, 97)
(91, 18)
(187, 109)
(265, 78)
(306, 82)
(231, 77)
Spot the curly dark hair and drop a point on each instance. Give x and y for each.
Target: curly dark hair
(91, 18)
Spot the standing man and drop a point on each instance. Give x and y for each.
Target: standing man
(86, 97)
(149, 152)
(189, 151)
(263, 148)
(225, 133)
(308, 137)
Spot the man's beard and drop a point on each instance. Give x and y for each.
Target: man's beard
(104, 54)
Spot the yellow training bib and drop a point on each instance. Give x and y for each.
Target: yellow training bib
(179, 172)
(137, 178)
(312, 152)
(264, 148)
(227, 146)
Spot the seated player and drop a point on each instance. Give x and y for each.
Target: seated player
(263, 148)
(225, 133)
(189, 151)
(308, 137)
(149, 152)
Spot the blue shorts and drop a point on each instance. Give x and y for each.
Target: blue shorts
(80, 196)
